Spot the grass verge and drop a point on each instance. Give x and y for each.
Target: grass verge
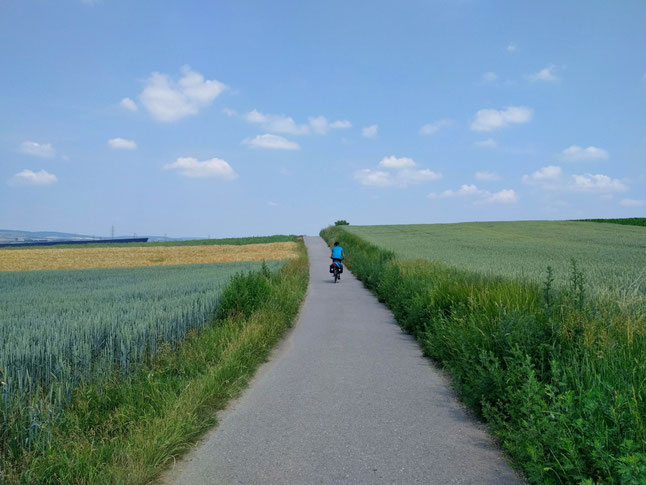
(126, 430)
(559, 377)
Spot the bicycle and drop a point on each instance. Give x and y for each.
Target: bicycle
(336, 270)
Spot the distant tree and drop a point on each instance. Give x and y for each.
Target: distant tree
(341, 222)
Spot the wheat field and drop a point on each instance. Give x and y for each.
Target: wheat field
(125, 257)
(611, 256)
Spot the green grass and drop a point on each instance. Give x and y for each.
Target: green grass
(613, 258)
(233, 241)
(628, 221)
(557, 372)
(124, 428)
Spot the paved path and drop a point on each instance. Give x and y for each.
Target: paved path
(347, 398)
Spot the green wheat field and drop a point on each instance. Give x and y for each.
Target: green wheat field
(611, 256)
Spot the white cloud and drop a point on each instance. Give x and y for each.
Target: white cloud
(576, 153)
(511, 48)
(370, 131)
(320, 125)
(479, 196)
(598, 183)
(432, 128)
(122, 144)
(29, 177)
(408, 176)
(491, 119)
(255, 116)
(395, 172)
(285, 124)
(276, 123)
(505, 196)
(632, 203)
(129, 104)
(545, 174)
(44, 150)
(394, 162)
(489, 77)
(168, 100)
(272, 204)
(374, 178)
(271, 141)
(545, 74)
(341, 124)
(193, 168)
(488, 143)
(552, 178)
(464, 191)
(486, 176)
(400, 178)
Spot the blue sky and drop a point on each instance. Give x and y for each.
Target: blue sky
(239, 118)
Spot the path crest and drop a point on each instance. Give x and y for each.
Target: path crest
(346, 398)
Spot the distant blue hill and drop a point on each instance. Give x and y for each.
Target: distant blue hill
(7, 235)
(16, 236)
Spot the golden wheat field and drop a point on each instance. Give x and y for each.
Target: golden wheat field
(124, 257)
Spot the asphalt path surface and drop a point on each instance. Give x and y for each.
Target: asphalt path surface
(346, 398)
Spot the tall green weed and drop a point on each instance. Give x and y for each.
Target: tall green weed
(559, 377)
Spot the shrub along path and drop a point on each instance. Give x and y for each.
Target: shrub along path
(348, 398)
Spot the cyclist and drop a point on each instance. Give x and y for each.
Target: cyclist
(337, 255)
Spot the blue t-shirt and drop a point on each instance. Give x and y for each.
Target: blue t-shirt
(337, 252)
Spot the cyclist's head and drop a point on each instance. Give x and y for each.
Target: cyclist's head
(336, 243)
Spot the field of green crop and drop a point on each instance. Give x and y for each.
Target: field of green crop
(60, 328)
(107, 375)
(611, 257)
